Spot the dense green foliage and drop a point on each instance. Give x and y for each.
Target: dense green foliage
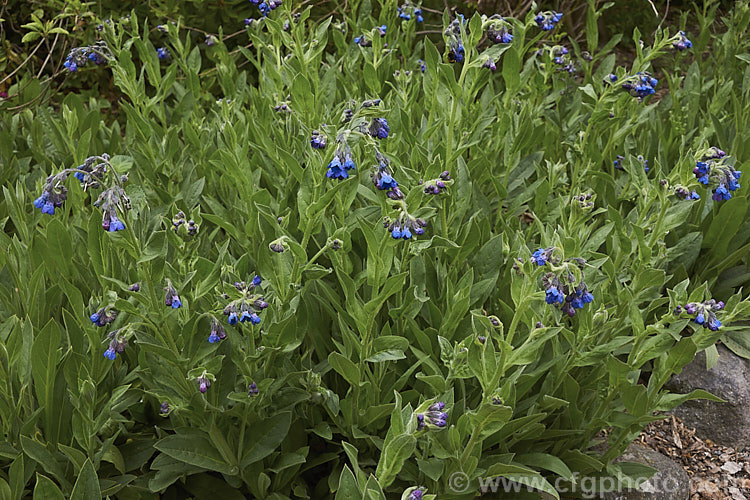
(363, 332)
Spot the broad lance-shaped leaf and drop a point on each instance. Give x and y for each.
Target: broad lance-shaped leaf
(395, 453)
(45, 358)
(195, 449)
(348, 488)
(46, 489)
(87, 484)
(267, 436)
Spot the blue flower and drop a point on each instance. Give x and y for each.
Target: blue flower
(713, 323)
(39, 202)
(683, 43)
(348, 162)
(547, 20)
(94, 317)
(379, 128)
(540, 257)
(721, 193)
(386, 181)
(233, 318)
(110, 354)
(213, 338)
(116, 224)
(382, 29)
(456, 53)
(176, 302)
(254, 319)
(335, 171)
(700, 319)
(422, 66)
(48, 208)
(245, 316)
(163, 53)
(553, 295)
(256, 280)
(396, 233)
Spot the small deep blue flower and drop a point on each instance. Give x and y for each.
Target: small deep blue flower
(317, 140)
(94, 317)
(256, 280)
(700, 318)
(245, 316)
(116, 224)
(335, 169)
(176, 302)
(456, 53)
(382, 29)
(547, 20)
(422, 66)
(110, 354)
(171, 298)
(254, 319)
(213, 338)
(553, 296)
(721, 193)
(540, 257)
(713, 323)
(48, 208)
(396, 233)
(683, 43)
(39, 202)
(386, 182)
(163, 53)
(348, 162)
(233, 318)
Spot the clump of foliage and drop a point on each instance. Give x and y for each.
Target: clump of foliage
(345, 260)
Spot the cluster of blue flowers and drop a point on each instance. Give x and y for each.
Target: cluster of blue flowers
(217, 333)
(252, 390)
(103, 316)
(317, 140)
(712, 166)
(266, 6)
(560, 286)
(78, 57)
(405, 226)
(364, 40)
(407, 11)
(704, 313)
(342, 162)
(682, 43)
(643, 84)
(433, 417)
(248, 306)
(416, 494)
(171, 299)
(436, 186)
(52, 197)
(452, 33)
(116, 346)
(562, 60)
(379, 128)
(498, 31)
(383, 178)
(548, 20)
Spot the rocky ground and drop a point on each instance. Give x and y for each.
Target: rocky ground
(716, 472)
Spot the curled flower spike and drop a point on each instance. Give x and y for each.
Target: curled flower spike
(117, 345)
(641, 85)
(560, 287)
(203, 384)
(685, 194)
(704, 313)
(362, 41)
(711, 168)
(342, 162)
(433, 417)
(78, 57)
(416, 494)
(217, 332)
(542, 255)
(210, 40)
(171, 298)
(252, 390)
(379, 128)
(317, 140)
(437, 186)
(498, 31)
(682, 43)
(407, 12)
(405, 227)
(247, 307)
(548, 20)
(103, 317)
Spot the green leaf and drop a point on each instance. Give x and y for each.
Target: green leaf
(195, 449)
(87, 484)
(46, 489)
(269, 435)
(348, 488)
(395, 453)
(345, 367)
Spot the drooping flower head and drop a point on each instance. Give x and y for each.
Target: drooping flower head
(317, 140)
(117, 345)
(437, 186)
(103, 316)
(247, 305)
(682, 42)
(704, 313)
(252, 390)
(499, 31)
(433, 417)
(548, 20)
(407, 11)
(171, 299)
(342, 162)
(217, 333)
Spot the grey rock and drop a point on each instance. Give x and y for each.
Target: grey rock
(671, 482)
(727, 423)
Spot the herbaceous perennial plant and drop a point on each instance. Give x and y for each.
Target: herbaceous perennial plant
(465, 273)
